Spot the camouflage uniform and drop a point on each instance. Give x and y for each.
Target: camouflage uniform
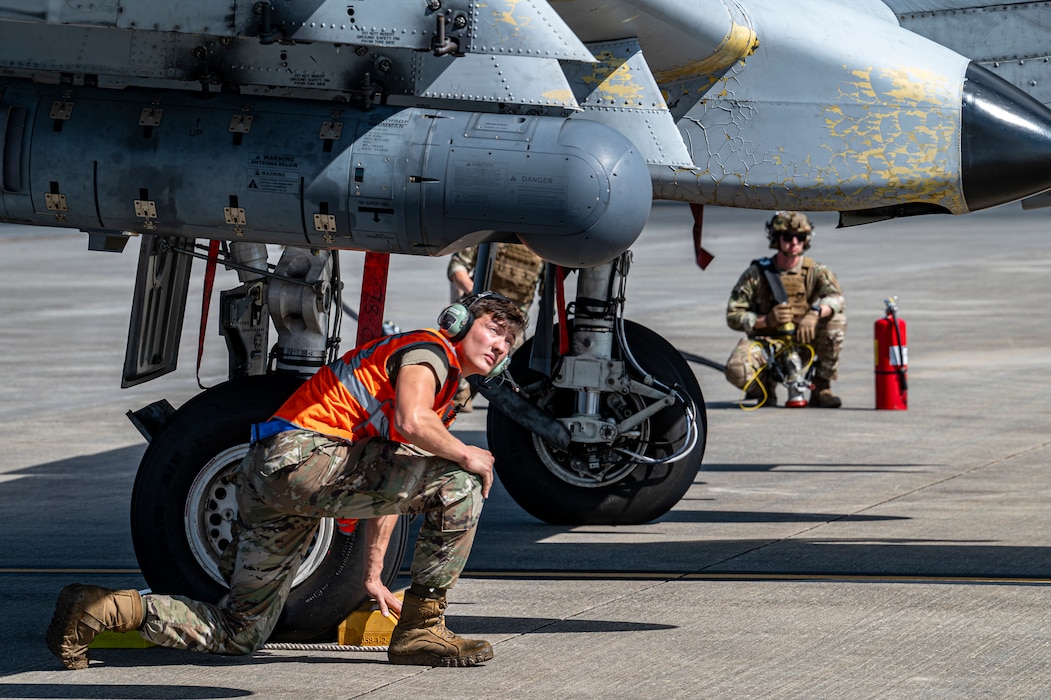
(287, 482)
(751, 298)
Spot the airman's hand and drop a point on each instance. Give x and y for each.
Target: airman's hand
(779, 316)
(807, 328)
(480, 461)
(385, 600)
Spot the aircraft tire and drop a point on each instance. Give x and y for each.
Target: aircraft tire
(185, 470)
(530, 469)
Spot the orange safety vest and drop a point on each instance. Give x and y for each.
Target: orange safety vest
(353, 397)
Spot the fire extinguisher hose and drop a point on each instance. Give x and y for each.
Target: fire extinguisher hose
(897, 333)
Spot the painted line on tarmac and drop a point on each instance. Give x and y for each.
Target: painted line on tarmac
(752, 576)
(654, 576)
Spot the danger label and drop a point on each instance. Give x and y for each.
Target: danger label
(539, 191)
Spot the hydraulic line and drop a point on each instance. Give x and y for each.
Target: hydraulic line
(773, 351)
(689, 410)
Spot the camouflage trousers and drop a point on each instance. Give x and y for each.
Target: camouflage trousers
(287, 483)
(747, 358)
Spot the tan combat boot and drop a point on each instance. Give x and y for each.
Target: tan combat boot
(81, 612)
(822, 396)
(422, 639)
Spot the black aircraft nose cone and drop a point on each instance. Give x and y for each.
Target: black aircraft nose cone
(1005, 142)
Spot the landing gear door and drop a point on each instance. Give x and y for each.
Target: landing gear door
(157, 308)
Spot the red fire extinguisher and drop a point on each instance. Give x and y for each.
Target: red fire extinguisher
(892, 360)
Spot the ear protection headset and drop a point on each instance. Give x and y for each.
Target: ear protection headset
(456, 320)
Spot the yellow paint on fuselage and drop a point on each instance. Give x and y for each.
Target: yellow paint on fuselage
(505, 13)
(564, 96)
(883, 133)
(740, 41)
(902, 126)
(613, 81)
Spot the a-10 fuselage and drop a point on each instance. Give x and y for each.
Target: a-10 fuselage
(418, 127)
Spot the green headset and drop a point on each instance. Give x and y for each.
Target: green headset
(455, 321)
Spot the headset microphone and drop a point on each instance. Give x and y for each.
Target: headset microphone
(500, 366)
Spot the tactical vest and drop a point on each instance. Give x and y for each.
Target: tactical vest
(515, 273)
(353, 397)
(797, 287)
(783, 287)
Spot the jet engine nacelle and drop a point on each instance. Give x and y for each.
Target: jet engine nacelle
(385, 179)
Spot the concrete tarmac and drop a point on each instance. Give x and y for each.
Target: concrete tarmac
(848, 553)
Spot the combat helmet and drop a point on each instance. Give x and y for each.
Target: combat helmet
(789, 221)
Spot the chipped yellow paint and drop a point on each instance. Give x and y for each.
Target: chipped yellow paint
(739, 42)
(902, 128)
(890, 135)
(562, 96)
(613, 81)
(505, 12)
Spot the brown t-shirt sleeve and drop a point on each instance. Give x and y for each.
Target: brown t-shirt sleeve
(431, 356)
